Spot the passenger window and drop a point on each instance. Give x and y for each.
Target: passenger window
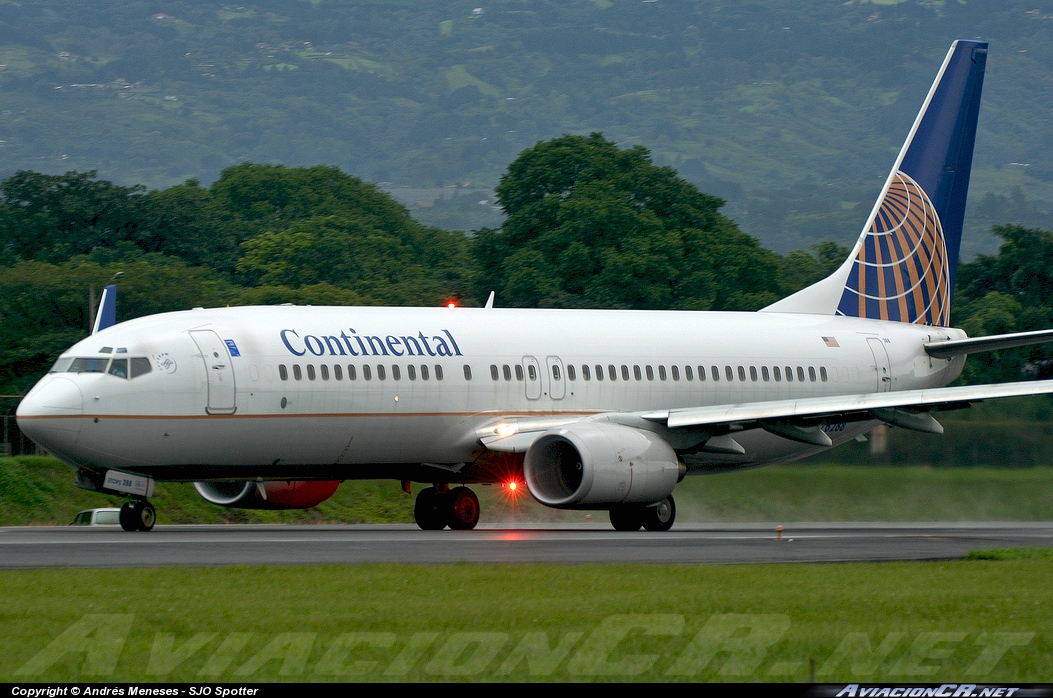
(519, 372)
(532, 372)
(367, 372)
(411, 371)
(742, 374)
(675, 370)
(381, 373)
(351, 373)
(585, 372)
(507, 372)
(612, 372)
(661, 373)
(728, 373)
(555, 372)
(141, 366)
(811, 373)
(296, 372)
(789, 374)
(822, 373)
(714, 372)
(650, 373)
(765, 374)
(494, 371)
(625, 372)
(424, 372)
(438, 372)
(753, 373)
(778, 374)
(701, 373)
(599, 372)
(396, 374)
(800, 373)
(325, 372)
(688, 373)
(338, 373)
(570, 372)
(310, 372)
(119, 368)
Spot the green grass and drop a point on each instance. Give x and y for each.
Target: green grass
(40, 490)
(961, 621)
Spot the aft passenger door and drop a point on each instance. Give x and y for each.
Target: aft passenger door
(882, 366)
(219, 371)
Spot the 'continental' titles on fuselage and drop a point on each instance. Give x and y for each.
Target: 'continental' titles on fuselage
(354, 344)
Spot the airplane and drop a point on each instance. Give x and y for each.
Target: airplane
(272, 407)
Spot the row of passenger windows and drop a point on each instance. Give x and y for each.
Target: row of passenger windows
(424, 372)
(742, 373)
(381, 371)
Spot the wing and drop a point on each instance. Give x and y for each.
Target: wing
(799, 419)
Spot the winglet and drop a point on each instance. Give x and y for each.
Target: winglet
(107, 315)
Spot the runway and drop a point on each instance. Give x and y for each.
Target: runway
(30, 547)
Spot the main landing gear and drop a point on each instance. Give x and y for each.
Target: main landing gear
(138, 515)
(438, 507)
(653, 517)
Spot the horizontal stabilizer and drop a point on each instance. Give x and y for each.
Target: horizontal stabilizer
(974, 345)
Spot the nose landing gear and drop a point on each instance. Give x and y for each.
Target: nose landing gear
(438, 507)
(138, 515)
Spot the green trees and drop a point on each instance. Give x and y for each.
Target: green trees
(591, 225)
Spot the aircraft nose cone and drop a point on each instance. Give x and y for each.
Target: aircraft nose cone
(50, 414)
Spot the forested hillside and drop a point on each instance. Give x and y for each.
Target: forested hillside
(789, 109)
(590, 225)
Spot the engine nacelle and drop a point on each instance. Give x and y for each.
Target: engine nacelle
(272, 494)
(596, 463)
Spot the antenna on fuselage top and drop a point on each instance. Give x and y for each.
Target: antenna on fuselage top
(490, 301)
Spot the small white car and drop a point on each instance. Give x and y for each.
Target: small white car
(108, 516)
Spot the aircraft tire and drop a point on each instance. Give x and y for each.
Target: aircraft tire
(462, 509)
(127, 516)
(628, 517)
(428, 510)
(660, 517)
(147, 516)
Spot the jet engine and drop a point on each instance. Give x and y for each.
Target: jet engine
(594, 465)
(272, 494)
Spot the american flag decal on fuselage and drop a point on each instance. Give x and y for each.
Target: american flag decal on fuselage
(901, 272)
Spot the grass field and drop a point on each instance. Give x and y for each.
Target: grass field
(39, 490)
(970, 620)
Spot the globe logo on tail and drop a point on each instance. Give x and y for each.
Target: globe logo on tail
(901, 271)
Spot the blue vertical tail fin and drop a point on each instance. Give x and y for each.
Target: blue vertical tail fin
(107, 315)
(903, 265)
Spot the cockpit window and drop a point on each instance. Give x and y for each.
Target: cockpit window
(119, 368)
(140, 366)
(61, 365)
(88, 365)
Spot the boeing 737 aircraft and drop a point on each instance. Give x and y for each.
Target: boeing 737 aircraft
(271, 407)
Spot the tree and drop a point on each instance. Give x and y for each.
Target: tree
(592, 225)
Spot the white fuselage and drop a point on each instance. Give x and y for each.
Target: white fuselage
(287, 390)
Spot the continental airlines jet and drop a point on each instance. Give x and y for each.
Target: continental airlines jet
(271, 407)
